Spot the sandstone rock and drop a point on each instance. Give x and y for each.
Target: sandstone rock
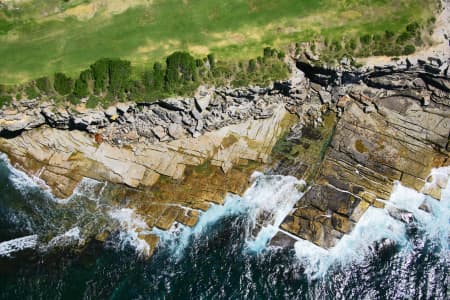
(160, 133)
(176, 131)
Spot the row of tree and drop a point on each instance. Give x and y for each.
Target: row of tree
(109, 80)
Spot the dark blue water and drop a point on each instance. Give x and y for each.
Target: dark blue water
(213, 264)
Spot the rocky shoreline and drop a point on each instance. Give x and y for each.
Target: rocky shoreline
(179, 155)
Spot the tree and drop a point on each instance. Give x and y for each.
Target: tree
(86, 75)
(180, 69)
(81, 88)
(119, 76)
(158, 76)
(63, 84)
(154, 79)
(100, 74)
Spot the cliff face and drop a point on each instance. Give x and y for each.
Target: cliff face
(353, 134)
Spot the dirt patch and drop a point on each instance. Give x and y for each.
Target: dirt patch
(82, 12)
(198, 49)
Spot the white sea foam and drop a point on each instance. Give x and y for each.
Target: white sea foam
(26, 183)
(271, 195)
(132, 225)
(177, 238)
(377, 224)
(12, 246)
(72, 237)
(90, 189)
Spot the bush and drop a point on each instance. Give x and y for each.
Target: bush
(409, 49)
(352, 44)
(269, 52)
(413, 27)
(404, 36)
(92, 102)
(86, 75)
(180, 69)
(211, 60)
(388, 34)
(100, 74)
(74, 99)
(31, 92)
(81, 88)
(63, 84)
(44, 84)
(252, 65)
(119, 76)
(365, 39)
(337, 45)
(5, 100)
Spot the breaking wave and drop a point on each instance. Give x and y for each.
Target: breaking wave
(385, 227)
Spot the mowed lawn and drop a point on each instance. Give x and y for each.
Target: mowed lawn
(147, 31)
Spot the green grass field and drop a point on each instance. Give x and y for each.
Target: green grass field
(40, 37)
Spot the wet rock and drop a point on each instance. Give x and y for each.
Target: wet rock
(425, 206)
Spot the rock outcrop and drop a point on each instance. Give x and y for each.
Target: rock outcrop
(394, 125)
(353, 133)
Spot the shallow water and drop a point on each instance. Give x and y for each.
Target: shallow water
(219, 258)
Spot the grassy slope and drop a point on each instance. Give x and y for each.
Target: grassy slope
(233, 29)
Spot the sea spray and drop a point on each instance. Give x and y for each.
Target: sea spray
(8, 248)
(132, 225)
(271, 198)
(268, 200)
(378, 224)
(179, 236)
(27, 184)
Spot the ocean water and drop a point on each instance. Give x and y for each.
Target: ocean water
(399, 252)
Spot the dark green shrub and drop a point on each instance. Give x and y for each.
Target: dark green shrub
(365, 39)
(212, 60)
(252, 65)
(62, 84)
(119, 76)
(180, 69)
(388, 34)
(404, 36)
(31, 92)
(92, 102)
(413, 27)
(5, 100)
(409, 49)
(44, 84)
(80, 88)
(100, 74)
(73, 99)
